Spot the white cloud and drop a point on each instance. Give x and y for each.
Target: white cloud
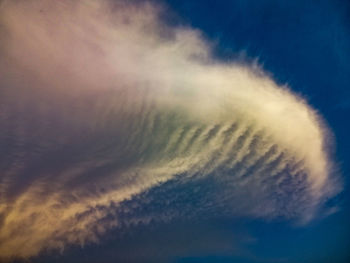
(101, 102)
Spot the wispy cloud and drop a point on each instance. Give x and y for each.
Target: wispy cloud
(104, 110)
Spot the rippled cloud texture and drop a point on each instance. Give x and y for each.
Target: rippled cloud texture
(105, 110)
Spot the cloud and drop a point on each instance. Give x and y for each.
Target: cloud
(110, 118)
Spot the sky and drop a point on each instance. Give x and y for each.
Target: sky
(174, 131)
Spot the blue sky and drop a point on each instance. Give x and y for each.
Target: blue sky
(307, 45)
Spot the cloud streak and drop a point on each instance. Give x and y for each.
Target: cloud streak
(106, 111)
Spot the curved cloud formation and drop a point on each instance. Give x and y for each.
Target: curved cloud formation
(109, 118)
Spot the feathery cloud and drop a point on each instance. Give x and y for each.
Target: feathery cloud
(104, 110)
